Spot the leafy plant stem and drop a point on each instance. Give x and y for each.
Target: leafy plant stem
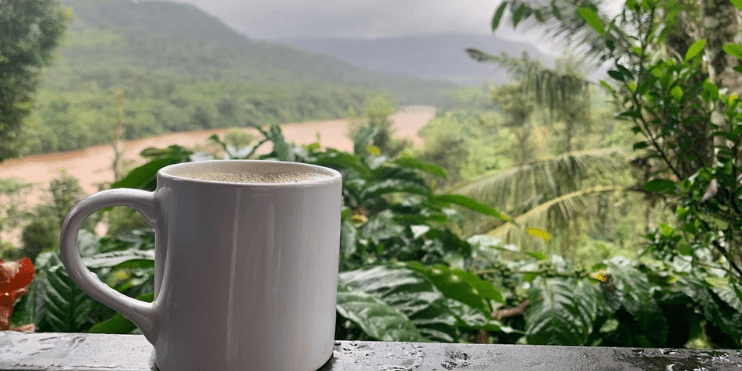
(643, 121)
(724, 251)
(553, 274)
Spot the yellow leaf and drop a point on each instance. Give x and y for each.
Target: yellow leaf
(374, 150)
(600, 276)
(717, 281)
(540, 233)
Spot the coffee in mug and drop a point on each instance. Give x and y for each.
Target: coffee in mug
(246, 262)
(252, 177)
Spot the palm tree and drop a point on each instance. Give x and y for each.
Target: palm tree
(581, 22)
(548, 194)
(564, 91)
(551, 193)
(683, 22)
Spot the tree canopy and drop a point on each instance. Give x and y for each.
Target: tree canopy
(29, 32)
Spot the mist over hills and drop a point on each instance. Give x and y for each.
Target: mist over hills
(440, 57)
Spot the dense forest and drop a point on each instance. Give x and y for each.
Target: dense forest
(180, 69)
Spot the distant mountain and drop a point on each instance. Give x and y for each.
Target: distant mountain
(178, 69)
(439, 57)
(184, 39)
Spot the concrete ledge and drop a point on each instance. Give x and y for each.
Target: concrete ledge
(57, 351)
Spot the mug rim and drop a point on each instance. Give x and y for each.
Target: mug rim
(333, 175)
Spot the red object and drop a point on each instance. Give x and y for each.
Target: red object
(14, 277)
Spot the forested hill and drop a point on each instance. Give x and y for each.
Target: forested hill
(181, 69)
(184, 39)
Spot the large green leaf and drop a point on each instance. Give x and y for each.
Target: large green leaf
(410, 293)
(340, 160)
(460, 285)
(381, 226)
(413, 163)
(138, 239)
(132, 258)
(362, 139)
(636, 297)
(498, 15)
(382, 171)
(730, 295)
(60, 305)
(394, 185)
(694, 49)
(119, 324)
(348, 239)
(714, 308)
(592, 19)
(281, 149)
(88, 243)
(471, 318)
(375, 317)
(658, 185)
(472, 204)
(145, 176)
(733, 49)
(562, 311)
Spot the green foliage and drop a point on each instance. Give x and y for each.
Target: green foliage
(689, 159)
(411, 294)
(122, 219)
(405, 276)
(42, 231)
(691, 142)
(563, 311)
(389, 214)
(376, 318)
(464, 144)
(29, 32)
(180, 69)
(14, 210)
(119, 324)
(60, 305)
(376, 112)
(55, 303)
(65, 193)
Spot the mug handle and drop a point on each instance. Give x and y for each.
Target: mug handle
(141, 313)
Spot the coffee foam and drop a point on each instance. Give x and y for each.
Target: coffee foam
(264, 178)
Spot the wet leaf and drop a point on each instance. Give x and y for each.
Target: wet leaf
(562, 311)
(408, 292)
(375, 317)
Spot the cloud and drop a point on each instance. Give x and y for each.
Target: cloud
(353, 18)
(367, 19)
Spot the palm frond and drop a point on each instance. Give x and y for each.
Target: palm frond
(561, 20)
(517, 190)
(558, 209)
(549, 87)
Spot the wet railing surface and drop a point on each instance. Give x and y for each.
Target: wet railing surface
(56, 351)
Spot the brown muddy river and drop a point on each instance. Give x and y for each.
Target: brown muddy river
(93, 165)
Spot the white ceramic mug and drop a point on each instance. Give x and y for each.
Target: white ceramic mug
(245, 273)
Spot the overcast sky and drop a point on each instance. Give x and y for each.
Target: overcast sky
(363, 19)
